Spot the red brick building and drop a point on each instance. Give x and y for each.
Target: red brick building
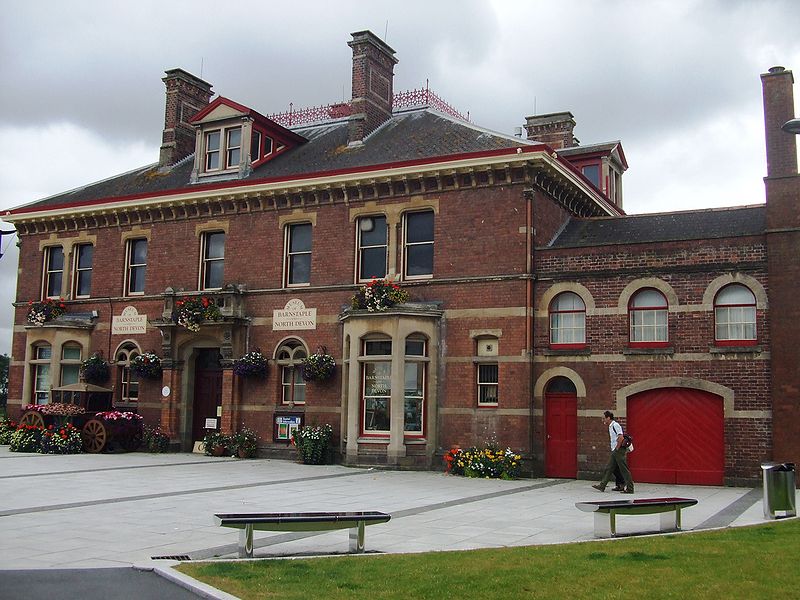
(534, 304)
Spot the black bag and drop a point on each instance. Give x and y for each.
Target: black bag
(627, 440)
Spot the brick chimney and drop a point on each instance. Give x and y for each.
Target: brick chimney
(779, 108)
(373, 90)
(186, 95)
(554, 129)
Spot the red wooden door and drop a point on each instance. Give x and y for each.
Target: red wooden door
(207, 390)
(679, 437)
(561, 428)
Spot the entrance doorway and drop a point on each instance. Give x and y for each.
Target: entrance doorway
(561, 428)
(207, 390)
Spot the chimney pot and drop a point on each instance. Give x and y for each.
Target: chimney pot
(373, 84)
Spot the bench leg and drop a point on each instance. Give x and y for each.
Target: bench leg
(357, 538)
(246, 542)
(605, 524)
(671, 521)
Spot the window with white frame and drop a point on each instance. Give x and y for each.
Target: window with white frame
(414, 386)
(53, 271)
(735, 315)
(221, 143)
(84, 254)
(40, 370)
(648, 317)
(372, 247)
(255, 145)
(233, 146)
(128, 380)
(212, 150)
(213, 267)
(136, 267)
(567, 321)
(298, 254)
(418, 244)
(290, 359)
(488, 379)
(376, 386)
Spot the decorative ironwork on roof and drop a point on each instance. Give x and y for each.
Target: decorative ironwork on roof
(410, 99)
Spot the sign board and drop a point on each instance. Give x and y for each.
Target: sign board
(285, 425)
(294, 316)
(129, 322)
(210, 423)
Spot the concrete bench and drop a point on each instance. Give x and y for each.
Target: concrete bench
(605, 513)
(300, 521)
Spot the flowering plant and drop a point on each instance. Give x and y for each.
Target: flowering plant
(252, 364)
(65, 439)
(243, 443)
(147, 365)
(155, 440)
(490, 462)
(7, 427)
(312, 443)
(190, 312)
(60, 409)
(318, 366)
(94, 369)
(26, 438)
(41, 312)
(378, 295)
(215, 443)
(115, 415)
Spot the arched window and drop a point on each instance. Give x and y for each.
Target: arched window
(561, 385)
(567, 321)
(735, 315)
(128, 381)
(289, 358)
(647, 314)
(40, 370)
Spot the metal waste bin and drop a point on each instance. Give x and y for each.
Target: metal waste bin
(779, 492)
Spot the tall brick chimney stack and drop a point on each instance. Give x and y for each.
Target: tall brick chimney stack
(186, 95)
(778, 108)
(554, 129)
(373, 89)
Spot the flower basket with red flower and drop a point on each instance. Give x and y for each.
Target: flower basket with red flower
(95, 369)
(378, 295)
(147, 365)
(45, 310)
(191, 312)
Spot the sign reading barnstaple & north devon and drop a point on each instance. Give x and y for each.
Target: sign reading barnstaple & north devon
(130, 321)
(294, 315)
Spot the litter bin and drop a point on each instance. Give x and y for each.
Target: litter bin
(778, 490)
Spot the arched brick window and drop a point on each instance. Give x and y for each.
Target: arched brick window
(648, 318)
(289, 358)
(567, 321)
(735, 316)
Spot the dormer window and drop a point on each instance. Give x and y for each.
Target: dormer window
(212, 151)
(233, 148)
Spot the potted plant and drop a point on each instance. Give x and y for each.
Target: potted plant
(155, 440)
(45, 310)
(378, 295)
(215, 443)
(252, 364)
(318, 366)
(147, 365)
(312, 443)
(244, 443)
(191, 312)
(94, 369)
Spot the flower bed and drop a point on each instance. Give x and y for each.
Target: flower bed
(252, 364)
(45, 310)
(147, 365)
(312, 443)
(378, 295)
(318, 366)
(155, 440)
(26, 438)
(65, 439)
(59, 409)
(191, 312)
(490, 462)
(7, 428)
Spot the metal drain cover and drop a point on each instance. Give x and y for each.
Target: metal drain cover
(171, 557)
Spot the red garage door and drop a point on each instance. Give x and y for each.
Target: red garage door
(678, 437)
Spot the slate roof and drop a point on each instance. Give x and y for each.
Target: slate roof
(663, 227)
(410, 135)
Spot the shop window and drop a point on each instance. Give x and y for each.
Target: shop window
(372, 247)
(290, 358)
(376, 387)
(84, 254)
(53, 271)
(40, 370)
(418, 245)
(735, 315)
(128, 381)
(488, 379)
(136, 259)
(414, 387)
(647, 314)
(298, 254)
(567, 321)
(213, 260)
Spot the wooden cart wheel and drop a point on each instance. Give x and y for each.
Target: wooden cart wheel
(94, 436)
(32, 418)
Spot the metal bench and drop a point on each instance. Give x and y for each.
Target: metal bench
(300, 521)
(605, 513)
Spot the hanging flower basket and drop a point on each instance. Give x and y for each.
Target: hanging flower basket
(46, 310)
(252, 364)
(191, 312)
(147, 365)
(318, 366)
(378, 295)
(94, 369)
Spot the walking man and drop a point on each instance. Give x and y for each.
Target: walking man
(618, 459)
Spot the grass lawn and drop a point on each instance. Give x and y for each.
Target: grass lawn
(743, 562)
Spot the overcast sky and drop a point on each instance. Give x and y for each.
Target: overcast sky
(676, 81)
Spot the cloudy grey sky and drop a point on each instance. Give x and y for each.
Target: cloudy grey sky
(676, 81)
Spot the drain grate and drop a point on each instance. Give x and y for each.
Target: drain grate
(171, 557)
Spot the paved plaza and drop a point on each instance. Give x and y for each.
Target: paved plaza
(149, 510)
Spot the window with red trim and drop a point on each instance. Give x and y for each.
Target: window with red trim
(647, 315)
(567, 321)
(735, 316)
